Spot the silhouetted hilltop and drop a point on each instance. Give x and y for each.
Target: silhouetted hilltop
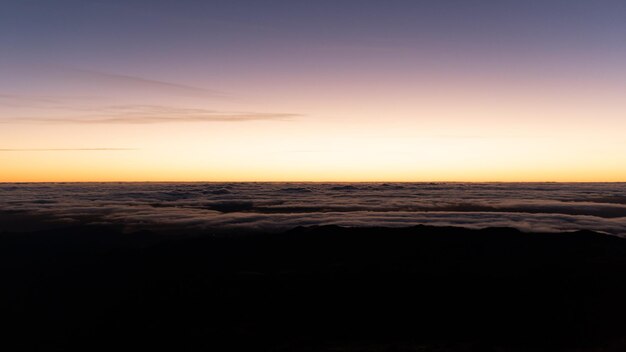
(314, 289)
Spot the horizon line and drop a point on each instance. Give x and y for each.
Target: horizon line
(363, 182)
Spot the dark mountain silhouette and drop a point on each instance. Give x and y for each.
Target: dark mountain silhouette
(314, 289)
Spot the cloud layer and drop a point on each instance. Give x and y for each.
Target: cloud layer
(279, 206)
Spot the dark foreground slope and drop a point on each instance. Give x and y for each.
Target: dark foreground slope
(315, 289)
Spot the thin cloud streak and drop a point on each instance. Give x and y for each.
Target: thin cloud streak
(151, 114)
(154, 119)
(64, 149)
(13, 98)
(99, 78)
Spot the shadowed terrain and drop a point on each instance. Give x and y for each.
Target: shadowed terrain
(314, 289)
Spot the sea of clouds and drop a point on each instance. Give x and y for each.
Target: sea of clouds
(281, 206)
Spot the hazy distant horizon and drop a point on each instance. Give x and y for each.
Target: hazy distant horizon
(324, 182)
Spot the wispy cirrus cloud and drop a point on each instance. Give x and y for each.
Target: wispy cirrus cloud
(162, 119)
(93, 97)
(150, 114)
(65, 149)
(17, 99)
(113, 80)
(52, 79)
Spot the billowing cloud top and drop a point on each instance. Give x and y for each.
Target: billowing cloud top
(280, 206)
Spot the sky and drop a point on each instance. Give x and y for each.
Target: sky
(190, 90)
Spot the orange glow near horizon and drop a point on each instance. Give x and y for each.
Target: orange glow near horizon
(287, 151)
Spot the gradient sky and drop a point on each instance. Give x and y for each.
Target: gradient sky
(133, 90)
